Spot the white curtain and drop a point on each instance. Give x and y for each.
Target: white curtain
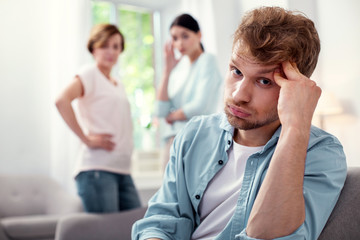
(71, 21)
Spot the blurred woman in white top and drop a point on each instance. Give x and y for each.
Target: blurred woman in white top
(104, 126)
(190, 85)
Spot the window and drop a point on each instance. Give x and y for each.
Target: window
(136, 64)
(136, 71)
(101, 12)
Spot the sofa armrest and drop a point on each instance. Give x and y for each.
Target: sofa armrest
(344, 220)
(2, 233)
(62, 202)
(89, 226)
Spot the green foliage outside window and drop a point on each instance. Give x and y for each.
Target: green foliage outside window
(136, 66)
(101, 12)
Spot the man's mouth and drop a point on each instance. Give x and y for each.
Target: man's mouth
(238, 112)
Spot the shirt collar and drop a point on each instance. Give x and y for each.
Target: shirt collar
(224, 124)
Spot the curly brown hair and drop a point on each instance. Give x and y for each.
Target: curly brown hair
(100, 33)
(271, 35)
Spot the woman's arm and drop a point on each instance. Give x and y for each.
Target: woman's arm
(63, 104)
(162, 92)
(177, 115)
(170, 63)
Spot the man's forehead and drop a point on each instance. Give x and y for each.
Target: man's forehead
(237, 57)
(240, 55)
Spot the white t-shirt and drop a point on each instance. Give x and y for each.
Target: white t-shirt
(105, 109)
(221, 195)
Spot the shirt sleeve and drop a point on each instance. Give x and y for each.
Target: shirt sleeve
(87, 77)
(162, 108)
(169, 214)
(325, 174)
(208, 89)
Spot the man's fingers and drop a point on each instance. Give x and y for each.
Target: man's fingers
(279, 79)
(291, 70)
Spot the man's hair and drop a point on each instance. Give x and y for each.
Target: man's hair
(271, 35)
(99, 35)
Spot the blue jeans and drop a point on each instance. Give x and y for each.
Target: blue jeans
(102, 191)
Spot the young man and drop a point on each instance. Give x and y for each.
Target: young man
(259, 171)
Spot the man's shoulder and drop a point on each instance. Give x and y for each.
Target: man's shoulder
(203, 123)
(318, 135)
(201, 133)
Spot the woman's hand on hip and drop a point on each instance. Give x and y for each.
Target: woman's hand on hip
(100, 141)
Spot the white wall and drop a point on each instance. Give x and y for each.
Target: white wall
(340, 68)
(41, 45)
(24, 87)
(38, 55)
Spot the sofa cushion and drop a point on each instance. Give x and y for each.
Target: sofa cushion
(106, 226)
(30, 227)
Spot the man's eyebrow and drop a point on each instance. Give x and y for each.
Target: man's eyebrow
(267, 70)
(262, 71)
(232, 61)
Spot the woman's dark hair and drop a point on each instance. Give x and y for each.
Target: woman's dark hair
(187, 21)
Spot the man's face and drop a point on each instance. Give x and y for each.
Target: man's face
(251, 94)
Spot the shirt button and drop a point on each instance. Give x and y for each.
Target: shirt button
(197, 197)
(229, 142)
(220, 162)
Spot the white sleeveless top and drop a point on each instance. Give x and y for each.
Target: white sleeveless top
(105, 109)
(221, 195)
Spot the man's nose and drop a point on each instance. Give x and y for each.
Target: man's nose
(243, 91)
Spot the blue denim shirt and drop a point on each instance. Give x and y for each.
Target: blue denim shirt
(200, 151)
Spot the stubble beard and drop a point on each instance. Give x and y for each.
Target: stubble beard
(243, 124)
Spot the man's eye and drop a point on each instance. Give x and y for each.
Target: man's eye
(264, 81)
(237, 72)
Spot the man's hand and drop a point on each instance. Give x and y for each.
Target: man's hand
(100, 141)
(279, 208)
(298, 96)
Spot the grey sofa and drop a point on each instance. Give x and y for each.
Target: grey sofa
(109, 226)
(31, 206)
(343, 224)
(344, 221)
